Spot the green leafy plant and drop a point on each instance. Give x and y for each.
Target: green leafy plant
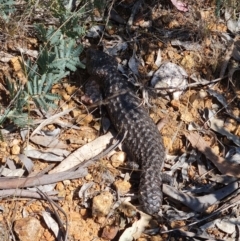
(234, 4)
(14, 111)
(6, 8)
(58, 55)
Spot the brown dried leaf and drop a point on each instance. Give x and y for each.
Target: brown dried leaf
(110, 232)
(135, 231)
(222, 165)
(16, 64)
(177, 223)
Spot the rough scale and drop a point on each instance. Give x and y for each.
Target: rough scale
(128, 115)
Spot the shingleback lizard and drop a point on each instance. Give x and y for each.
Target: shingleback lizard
(128, 115)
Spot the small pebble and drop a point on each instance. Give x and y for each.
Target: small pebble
(102, 204)
(122, 186)
(118, 158)
(15, 150)
(28, 229)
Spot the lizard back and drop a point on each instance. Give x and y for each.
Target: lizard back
(127, 115)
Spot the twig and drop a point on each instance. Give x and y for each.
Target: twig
(56, 214)
(79, 171)
(7, 183)
(135, 9)
(206, 82)
(218, 211)
(228, 55)
(45, 170)
(10, 228)
(22, 193)
(107, 20)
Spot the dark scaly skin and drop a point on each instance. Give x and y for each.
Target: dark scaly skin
(127, 115)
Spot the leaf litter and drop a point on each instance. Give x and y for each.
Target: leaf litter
(60, 155)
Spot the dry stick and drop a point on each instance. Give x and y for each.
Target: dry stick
(189, 85)
(107, 20)
(6, 183)
(218, 211)
(135, 9)
(45, 170)
(105, 101)
(56, 214)
(206, 82)
(194, 235)
(10, 228)
(22, 193)
(228, 56)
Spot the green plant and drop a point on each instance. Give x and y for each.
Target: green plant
(234, 4)
(58, 55)
(6, 8)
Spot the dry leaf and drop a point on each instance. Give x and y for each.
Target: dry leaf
(16, 63)
(222, 164)
(85, 152)
(137, 228)
(5, 57)
(51, 223)
(48, 141)
(110, 232)
(200, 204)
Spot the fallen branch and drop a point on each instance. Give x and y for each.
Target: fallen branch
(14, 183)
